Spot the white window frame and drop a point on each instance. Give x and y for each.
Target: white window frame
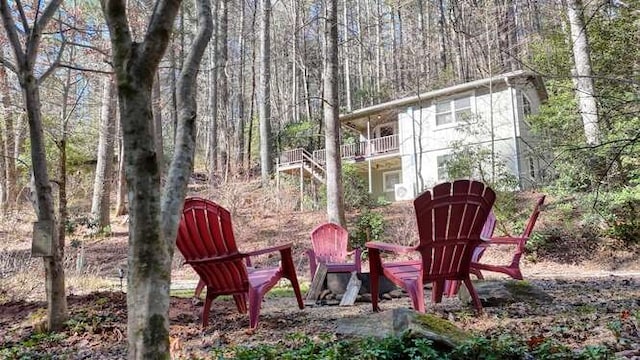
(385, 182)
(453, 111)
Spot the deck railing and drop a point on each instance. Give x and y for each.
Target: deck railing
(374, 147)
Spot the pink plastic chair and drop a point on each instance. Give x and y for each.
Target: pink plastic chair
(206, 240)
(450, 220)
(513, 268)
(329, 242)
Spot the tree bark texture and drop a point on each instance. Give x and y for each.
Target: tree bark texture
(149, 255)
(264, 92)
(104, 167)
(335, 204)
(8, 143)
(582, 79)
(57, 312)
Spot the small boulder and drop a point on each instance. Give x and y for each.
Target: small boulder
(404, 322)
(501, 292)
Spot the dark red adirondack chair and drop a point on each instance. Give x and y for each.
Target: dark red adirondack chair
(518, 242)
(450, 220)
(206, 240)
(329, 242)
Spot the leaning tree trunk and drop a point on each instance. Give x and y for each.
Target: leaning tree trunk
(335, 205)
(104, 167)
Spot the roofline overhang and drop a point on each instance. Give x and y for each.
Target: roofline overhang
(533, 77)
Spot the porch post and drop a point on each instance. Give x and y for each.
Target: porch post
(301, 185)
(369, 154)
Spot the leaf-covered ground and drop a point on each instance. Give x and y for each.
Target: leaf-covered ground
(595, 292)
(585, 311)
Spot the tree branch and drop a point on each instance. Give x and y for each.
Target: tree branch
(10, 28)
(115, 13)
(157, 37)
(78, 68)
(8, 64)
(23, 17)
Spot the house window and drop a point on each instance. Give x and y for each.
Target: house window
(452, 111)
(443, 162)
(390, 179)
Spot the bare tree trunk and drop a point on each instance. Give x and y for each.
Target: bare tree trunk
(294, 59)
(150, 252)
(347, 60)
(223, 86)
(583, 81)
(253, 84)
(441, 36)
(264, 93)
(121, 189)
(104, 168)
(212, 136)
(335, 203)
(239, 133)
(57, 311)
(156, 106)
(8, 144)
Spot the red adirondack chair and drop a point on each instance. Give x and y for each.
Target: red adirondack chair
(450, 220)
(513, 268)
(452, 287)
(206, 240)
(329, 242)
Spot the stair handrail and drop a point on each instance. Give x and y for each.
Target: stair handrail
(308, 158)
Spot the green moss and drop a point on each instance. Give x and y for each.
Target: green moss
(442, 327)
(519, 287)
(156, 338)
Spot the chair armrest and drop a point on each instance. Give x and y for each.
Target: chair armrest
(231, 257)
(268, 250)
(399, 249)
(506, 240)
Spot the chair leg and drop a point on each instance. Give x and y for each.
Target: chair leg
(477, 304)
(437, 291)
(451, 287)
(199, 288)
(241, 303)
(415, 291)
(206, 308)
(312, 263)
(375, 271)
(255, 302)
(289, 272)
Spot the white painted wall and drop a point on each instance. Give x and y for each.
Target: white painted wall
(495, 106)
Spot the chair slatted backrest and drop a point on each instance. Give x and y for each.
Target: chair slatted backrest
(206, 240)
(450, 220)
(330, 242)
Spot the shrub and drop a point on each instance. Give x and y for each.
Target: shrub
(369, 227)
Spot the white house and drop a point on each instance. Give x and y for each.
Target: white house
(404, 145)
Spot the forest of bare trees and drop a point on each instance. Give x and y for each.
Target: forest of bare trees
(83, 82)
